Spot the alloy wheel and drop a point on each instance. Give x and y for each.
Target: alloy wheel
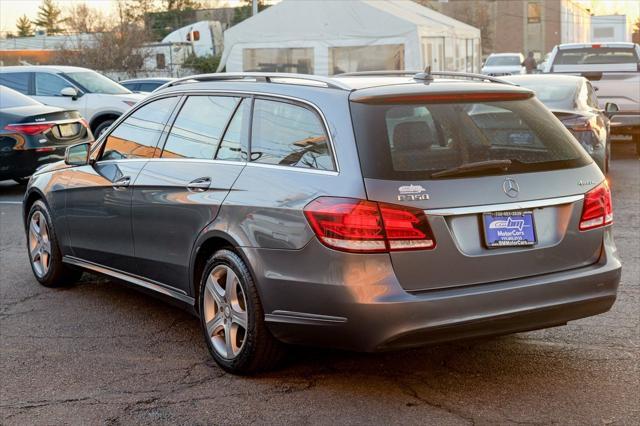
(39, 244)
(225, 312)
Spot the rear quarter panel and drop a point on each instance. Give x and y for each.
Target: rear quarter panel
(265, 206)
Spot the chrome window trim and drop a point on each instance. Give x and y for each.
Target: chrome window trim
(119, 160)
(195, 160)
(276, 96)
(518, 205)
(293, 168)
(244, 93)
(132, 279)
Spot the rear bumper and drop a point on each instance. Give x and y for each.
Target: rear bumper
(369, 311)
(22, 163)
(625, 123)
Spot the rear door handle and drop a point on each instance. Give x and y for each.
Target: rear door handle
(122, 183)
(200, 184)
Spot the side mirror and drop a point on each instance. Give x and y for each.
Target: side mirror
(69, 92)
(611, 108)
(78, 154)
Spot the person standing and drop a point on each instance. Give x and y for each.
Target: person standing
(529, 63)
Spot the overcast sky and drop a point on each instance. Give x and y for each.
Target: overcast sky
(11, 10)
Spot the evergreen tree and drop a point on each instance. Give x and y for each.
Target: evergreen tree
(49, 17)
(24, 27)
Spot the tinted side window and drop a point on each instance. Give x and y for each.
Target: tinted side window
(197, 130)
(137, 136)
(233, 145)
(289, 135)
(16, 80)
(148, 87)
(49, 84)
(131, 86)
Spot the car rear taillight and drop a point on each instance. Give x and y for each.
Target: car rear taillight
(29, 129)
(580, 124)
(597, 210)
(368, 227)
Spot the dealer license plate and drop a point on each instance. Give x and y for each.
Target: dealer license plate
(508, 229)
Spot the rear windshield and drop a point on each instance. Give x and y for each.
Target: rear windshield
(503, 60)
(596, 55)
(415, 142)
(553, 94)
(9, 98)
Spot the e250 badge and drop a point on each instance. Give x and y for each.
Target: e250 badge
(412, 193)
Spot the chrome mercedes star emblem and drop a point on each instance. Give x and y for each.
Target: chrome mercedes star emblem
(510, 187)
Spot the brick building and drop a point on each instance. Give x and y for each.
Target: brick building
(521, 25)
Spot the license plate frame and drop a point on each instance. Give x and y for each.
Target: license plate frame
(68, 130)
(509, 229)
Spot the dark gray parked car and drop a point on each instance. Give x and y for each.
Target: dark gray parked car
(360, 212)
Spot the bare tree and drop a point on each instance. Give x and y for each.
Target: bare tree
(119, 45)
(82, 18)
(181, 4)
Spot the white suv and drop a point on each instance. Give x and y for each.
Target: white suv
(99, 99)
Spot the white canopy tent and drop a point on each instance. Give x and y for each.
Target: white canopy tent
(327, 37)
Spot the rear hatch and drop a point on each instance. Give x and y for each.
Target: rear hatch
(484, 166)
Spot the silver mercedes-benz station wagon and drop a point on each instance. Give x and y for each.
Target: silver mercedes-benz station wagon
(366, 212)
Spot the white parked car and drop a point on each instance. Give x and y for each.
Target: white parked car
(498, 64)
(99, 99)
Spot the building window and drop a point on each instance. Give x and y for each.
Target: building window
(366, 58)
(533, 13)
(296, 60)
(160, 61)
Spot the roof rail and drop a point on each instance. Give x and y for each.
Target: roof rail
(472, 76)
(426, 75)
(390, 73)
(261, 77)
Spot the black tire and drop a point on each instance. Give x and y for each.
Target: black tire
(58, 274)
(21, 180)
(102, 127)
(260, 351)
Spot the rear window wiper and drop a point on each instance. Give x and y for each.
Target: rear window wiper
(473, 167)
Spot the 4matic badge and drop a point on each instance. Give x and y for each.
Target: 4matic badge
(412, 193)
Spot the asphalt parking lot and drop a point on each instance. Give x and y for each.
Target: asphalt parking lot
(100, 352)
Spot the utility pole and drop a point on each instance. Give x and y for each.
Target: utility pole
(254, 7)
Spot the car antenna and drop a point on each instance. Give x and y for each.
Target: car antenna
(425, 76)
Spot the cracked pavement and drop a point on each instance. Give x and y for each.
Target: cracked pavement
(101, 353)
